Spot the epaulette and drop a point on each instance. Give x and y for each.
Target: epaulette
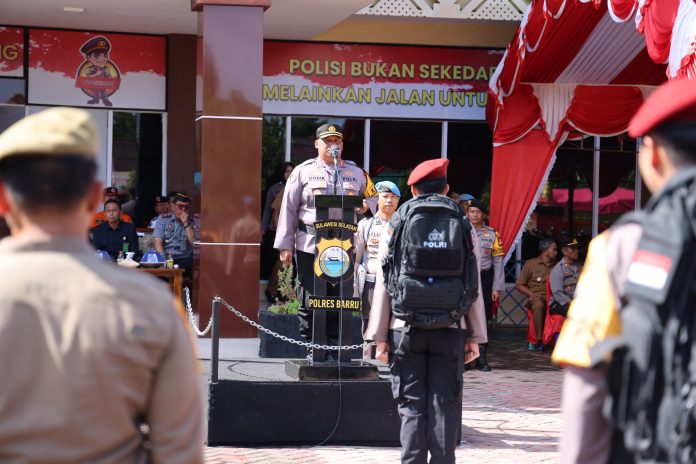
(310, 160)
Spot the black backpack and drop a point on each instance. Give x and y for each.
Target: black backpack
(652, 374)
(431, 276)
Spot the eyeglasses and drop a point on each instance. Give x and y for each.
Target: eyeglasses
(184, 207)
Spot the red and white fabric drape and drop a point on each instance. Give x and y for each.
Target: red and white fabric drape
(572, 67)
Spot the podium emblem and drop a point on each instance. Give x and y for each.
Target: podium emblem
(333, 262)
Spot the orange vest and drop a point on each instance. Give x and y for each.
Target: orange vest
(101, 217)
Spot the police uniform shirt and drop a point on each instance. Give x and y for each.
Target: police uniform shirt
(311, 178)
(370, 228)
(492, 255)
(153, 222)
(89, 350)
(562, 280)
(112, 240)
(174, 237)
(380, 316)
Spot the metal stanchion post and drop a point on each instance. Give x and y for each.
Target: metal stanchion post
(215, 340)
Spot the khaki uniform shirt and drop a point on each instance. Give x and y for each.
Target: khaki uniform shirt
(533, 275)
(381, 319)
(89, 350)
(311, 178)
(492, 255)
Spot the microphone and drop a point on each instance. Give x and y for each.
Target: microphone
(333, 151)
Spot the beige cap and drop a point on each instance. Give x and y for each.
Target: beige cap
(56, 131)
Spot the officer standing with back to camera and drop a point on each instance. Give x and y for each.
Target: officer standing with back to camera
(627, 270)
(91, 352)
(425, 363)
(295, 231)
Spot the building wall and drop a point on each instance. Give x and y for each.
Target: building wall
(443, 32)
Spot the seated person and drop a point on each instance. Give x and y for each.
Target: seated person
(564, 277)
(532, 283)
(109, 192)
(174, 235)
(161, 208)
(115, 235)
(128, 202)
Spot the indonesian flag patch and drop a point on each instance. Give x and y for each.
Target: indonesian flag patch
(649, 269)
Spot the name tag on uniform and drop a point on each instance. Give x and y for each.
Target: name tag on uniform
(350, 186)
(317, 184)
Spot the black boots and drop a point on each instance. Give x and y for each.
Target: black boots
(481, 363)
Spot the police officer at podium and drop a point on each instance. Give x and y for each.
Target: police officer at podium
(327, 174)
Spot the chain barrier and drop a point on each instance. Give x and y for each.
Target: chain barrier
(192, 318)
(288, 339)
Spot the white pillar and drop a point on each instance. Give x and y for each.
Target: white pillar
(288, 138)
(366, 146)
(595, 187)
(639, 182)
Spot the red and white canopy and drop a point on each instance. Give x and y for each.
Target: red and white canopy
(576, 68)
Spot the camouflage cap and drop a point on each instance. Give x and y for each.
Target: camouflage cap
(56, 131)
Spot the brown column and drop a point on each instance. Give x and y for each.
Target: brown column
(230, 129)
(181, 109)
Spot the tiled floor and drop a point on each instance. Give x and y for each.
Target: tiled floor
(511, 415)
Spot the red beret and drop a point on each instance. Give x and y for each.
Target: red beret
(431, 169)
(673, 101)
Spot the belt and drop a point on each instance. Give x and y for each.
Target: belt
(370, 277)
(306, 228)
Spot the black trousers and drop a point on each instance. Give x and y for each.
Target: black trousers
(487, 291)
(187, 265)
(426, 370)
(305, 288)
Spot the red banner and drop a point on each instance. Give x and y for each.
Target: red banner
(376, 80)
(11, 52)
(79, 68)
